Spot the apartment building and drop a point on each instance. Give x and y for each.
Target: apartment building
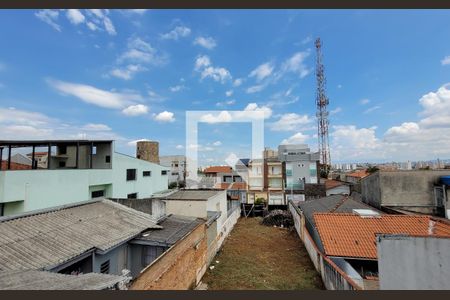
(300, 168)
(76, 170)
(177, 165)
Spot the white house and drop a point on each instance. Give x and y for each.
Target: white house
(77, 170)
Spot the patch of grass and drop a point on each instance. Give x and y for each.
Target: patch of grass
(260, 257)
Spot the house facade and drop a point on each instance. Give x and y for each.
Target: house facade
(77, 170)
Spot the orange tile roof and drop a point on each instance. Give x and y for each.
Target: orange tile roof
(359, 174)
(350, 235)
(218, 169)
(239, 186)
(222, 185)
(14, 166)
(329, 184)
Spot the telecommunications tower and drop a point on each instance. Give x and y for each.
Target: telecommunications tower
(322, 111)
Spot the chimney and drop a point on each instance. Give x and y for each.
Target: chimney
(148, 150)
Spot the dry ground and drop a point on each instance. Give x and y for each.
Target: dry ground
(264, 258)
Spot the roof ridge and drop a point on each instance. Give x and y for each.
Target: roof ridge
(339, 204)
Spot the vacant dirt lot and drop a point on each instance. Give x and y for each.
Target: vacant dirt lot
(263, 258)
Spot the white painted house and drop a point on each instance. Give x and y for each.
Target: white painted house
(77, 170)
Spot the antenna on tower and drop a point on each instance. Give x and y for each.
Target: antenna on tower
(322, 111)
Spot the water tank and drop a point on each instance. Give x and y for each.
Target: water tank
(148, 150)
(445, 180)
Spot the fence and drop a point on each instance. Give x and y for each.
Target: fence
(332, 276)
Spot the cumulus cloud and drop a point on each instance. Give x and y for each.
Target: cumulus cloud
(298, 138)
(237, 82)
(206, 69)
(254, 107)
(217, 143)
(228, 102)
(446, 61)
(229, 93)
(290, 122)
(262, 71)
(335, 111)
(205, 42)
(176, 33)
(223, 116)
(165, 116)
(93, 95)
(75, 16)
(135, 110)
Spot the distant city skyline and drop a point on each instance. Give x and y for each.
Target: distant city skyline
(132, 74)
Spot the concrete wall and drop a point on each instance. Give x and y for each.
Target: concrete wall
(412, 190)
(187, 208)
(179, 268)
(219, 203)
(420, 263)
(118, 260)
(26, 190)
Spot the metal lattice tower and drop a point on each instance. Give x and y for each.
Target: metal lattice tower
(322, 112)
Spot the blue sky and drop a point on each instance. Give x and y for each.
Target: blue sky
(132, 74)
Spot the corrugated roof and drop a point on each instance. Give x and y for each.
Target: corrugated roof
(329, 183)
(350, 235)
(174, 228)
(52, 237)
(334, 203)
(217, 169)
(42, 280)
(192, 195)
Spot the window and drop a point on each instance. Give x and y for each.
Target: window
(107, 159)
(94, 150)
(132, 196)
(175, 173)
(104, 267)
(147, 173)
(131, 174)
(164, 172)
(176, 165)
(62, 164)
(96, 194)
(62, 149)
(149, 254)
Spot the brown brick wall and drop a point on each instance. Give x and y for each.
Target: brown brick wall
(180, 268)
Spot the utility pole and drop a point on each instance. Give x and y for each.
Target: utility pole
(322, 110)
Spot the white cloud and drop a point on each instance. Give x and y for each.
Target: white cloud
(217, 143)
(179, 146)
(109, 26)
(296, 64)
(128, 71)
(176, 88)
(97, 19)
(298, 138)
(371, 109)
(202, 61)
(229, 93)
(254, 107)
(20, 124)
(176, 33)
(165, 116)
(75, 16)
(405, 128)
(306, 40)
(93, 95)
(139, 50)
(339, 86)
(137, 11)
(290, 122)
(237, 82)
(446, 61)
(349, 142)
(49, 16)
(335, 111)
(223, 116)
(204, 66)
(262, 71)
(228, 102)
(206, 42)
(96, 127)
(135, 110)
(364, 101)
(255, 89)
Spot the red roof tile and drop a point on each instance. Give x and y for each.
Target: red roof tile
(329, 184)
(218, 169)
(350, 235)
(359, 174)
(14, 166)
